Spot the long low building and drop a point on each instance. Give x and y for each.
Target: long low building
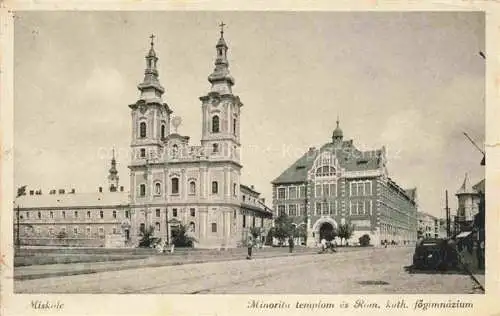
(339, 184)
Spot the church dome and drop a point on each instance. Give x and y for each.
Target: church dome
(337, 132)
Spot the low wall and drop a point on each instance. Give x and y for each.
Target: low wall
(63, 242)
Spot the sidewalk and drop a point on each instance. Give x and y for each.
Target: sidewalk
(159, 260)
(471, 265)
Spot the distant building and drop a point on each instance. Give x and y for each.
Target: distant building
(172, 182)
(339, 184)
(430, 226)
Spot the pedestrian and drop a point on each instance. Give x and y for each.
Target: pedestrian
(290, 244)
(323, 245)
(250, 244)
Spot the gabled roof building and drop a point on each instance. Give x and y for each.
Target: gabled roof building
(338, 184)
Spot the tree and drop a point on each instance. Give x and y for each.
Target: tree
(364, 240)
(300, 231)
(255, 232)
(283, 228)
(147, 238)
(184, 238)
(345, 231)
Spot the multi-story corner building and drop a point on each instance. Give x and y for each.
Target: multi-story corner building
(339, 184)
(430, 226)
(171, 181)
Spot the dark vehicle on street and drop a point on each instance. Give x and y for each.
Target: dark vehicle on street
(435, 254)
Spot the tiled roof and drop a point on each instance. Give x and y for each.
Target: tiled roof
(348, 156)
(466, 187)
(480, 186)
(69, 200)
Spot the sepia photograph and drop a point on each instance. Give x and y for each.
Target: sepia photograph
(257, 152)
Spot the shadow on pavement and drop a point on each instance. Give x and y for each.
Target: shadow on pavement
(412, 270)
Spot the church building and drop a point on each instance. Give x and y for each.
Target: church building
(171, 181)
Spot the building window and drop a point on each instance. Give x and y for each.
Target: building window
(163, 131)
(76, 214)
(51, 231)
(215, 148)
(127, 214)
(302, 191)
(175, 185)
(143, 153)
(192, 211)
(214, 227)
(27, 214)
(318, 190)
(89, 231)
(235, 193)
(142, 228)
(318, 208)
(215, 187)
(63, 214)
(142, 190)
(114, 214)
(354, 189)
(326, 189)
(368, 188)
(325, 171)
(101, 214)
(292, 210)
(101, 232)
(75, 230)
(281, 193)
(302, 210)
(281, 210)
(262, 222)
(157, 226)
(244, 221)
(157, 188)
(88, 214)
(253, 221)
(51, 214)
(39, 215)
(157, 212)
(292, 192)
(333, 189)
(192, 188)
(234, 126)
(215, 124)
(142, 129)
(244, 197)
(175, 150)
(192, 227)
(114, 230)
(174, 212)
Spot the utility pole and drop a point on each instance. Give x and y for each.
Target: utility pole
(448, 217)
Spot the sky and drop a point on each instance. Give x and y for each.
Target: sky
(410, 81)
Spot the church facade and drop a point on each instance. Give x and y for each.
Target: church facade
(339, 184)
(171, 181)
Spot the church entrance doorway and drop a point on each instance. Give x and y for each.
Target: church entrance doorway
(326, 232)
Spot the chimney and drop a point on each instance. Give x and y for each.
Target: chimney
(252, 187)
(100, 189)
(32, 192)
(121, 188)
(73, 191)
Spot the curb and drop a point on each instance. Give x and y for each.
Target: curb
(147, 265)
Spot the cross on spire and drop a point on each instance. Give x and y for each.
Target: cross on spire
(152, 37)
(222, 28)
(337, 120)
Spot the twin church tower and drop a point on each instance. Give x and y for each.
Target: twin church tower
(174, 182)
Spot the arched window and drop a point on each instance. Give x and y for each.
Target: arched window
(192, 227)
(175, 150)
(215, 124)
(157, 188)
(157, 227)
(325, 171)
(215, 187)
(192, 187)
(142, 129)
(175, 185)
(163, 131)
(215, 148)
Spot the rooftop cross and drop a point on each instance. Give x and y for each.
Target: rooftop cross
(152, 37)
(222, 28)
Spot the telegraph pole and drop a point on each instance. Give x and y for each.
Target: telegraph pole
(448, 217)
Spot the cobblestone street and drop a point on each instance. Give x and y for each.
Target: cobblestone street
(368, 271)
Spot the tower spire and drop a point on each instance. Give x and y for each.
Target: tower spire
(151, 82)
(220, 78)
(113, 177)
(338, 135)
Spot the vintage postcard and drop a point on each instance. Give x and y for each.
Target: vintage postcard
(263, 159)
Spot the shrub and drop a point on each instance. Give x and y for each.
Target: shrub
(364, 240)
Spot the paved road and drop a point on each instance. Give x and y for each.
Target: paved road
(360, 272)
